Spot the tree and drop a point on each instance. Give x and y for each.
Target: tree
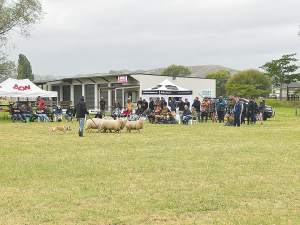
(249, 80)
(282, 71)
(176, 71)
(18, 16)
(7, 69)
(221, 77)
(245, 90)
(24, 68)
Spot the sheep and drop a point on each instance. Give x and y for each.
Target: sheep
(135, 125)
(124, 121)
(91, 125)
(111, 125)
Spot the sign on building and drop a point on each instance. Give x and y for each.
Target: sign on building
(207, 92)
(122, 79)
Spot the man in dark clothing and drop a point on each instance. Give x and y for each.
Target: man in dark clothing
(140, 102)
(80, 110)
(237, 112)
(220, 108)
(151, 104)
(173, 104)
(16, 113)
(250, 110)
(197, 106)
(180, 106)
(144, 105)
(30, 111)
(102, 106)
(186, 103)
(24, 112)
(69, 113)
(244, 112)
(48, 113)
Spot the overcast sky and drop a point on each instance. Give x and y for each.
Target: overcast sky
(95, 36)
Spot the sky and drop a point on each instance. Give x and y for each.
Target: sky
(96, 36)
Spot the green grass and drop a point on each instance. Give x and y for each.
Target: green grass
(172, 174)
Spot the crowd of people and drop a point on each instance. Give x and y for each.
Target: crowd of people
(25, 113)
(157, 110)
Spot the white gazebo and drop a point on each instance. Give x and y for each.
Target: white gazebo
(167, 89)
(23, 88)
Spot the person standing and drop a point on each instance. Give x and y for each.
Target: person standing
(197, 105)
(180, 106)
(129, 105)
(255, 111)
(205, 109)
(250, 109)
(237, 112)
(40, 102)
(144, 105)
(151, 104)
(244, 112)
(186, 103)
(261, 108)
(102, 106)
(220, 108)
(80, 110)
(173, 104)
(212, 106)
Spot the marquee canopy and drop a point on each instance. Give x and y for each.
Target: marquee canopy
(167, 89)
(23, 88)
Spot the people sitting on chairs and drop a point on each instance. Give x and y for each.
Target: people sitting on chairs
(58, 113)
(30, 111)
(24, 112)
(16, 113)
(194, 114)
(137, 114)
(125, 113)
(163, 114)
(116, 113)
(151, 117)
(186, 116)
(40, 114)
(48, 112)
(69, 113)
(98, 115)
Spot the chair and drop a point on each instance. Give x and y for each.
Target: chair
(193, 121)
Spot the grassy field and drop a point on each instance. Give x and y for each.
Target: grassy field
(172, 174)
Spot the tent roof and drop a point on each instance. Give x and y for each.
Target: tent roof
(167, 85)
(23, 88)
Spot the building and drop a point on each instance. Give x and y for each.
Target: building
(120, 87)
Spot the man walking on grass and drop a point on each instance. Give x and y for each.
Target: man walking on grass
(80, 110)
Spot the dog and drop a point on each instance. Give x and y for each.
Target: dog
(61, 128)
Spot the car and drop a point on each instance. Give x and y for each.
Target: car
(269, 112)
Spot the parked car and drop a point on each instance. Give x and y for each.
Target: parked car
(269, 112)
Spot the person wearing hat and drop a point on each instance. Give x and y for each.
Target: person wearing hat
(186, 102)
(144, 105)
(197, 105)
(40, 102)
(129, 105)
(58, 113)
(69, 113)
(80, 111)
(220, 108)
(237, 112)
(140, 102)
(102, 106)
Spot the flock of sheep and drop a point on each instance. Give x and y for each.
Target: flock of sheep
(117, 125)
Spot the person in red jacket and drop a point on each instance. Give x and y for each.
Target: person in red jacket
(40, 102)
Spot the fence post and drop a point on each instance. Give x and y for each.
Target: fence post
(295, 110)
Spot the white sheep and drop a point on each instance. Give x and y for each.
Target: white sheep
(111, 125)
(91, 125)
(135, 125)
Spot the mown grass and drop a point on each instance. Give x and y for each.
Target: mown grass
(172, 174)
